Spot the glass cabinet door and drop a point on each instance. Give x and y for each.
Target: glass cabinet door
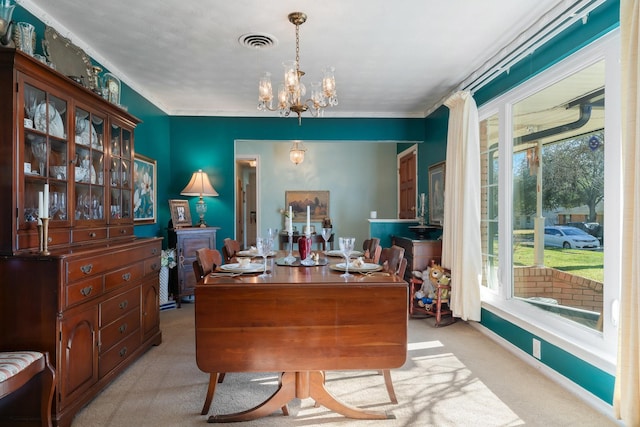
(44, 154)
(88, 164)
(120, 174)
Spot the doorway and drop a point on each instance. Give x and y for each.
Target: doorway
(246, 200)
(407, 182)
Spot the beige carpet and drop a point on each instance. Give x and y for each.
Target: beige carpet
(454, 376)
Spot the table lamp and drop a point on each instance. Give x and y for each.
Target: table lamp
(200, 186)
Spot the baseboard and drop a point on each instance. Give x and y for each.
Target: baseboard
(582, 394)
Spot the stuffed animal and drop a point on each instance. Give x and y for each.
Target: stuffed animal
(435, 275)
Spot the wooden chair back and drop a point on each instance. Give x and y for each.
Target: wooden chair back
(208, 260)
(390, 258)
(370, 246)
(230, 249)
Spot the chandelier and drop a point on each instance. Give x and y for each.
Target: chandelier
(296, 154)
(292, 92)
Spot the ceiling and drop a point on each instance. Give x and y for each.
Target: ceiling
(392, 58)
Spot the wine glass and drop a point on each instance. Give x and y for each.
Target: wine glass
(263, 245)
(39, 150)
(326, 235)
(346, 247)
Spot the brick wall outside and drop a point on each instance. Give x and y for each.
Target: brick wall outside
(567, 289)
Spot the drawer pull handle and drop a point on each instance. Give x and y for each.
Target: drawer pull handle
(126, 277)
(86, 291)
(86, 269)
(123, 231)
(154, 266)
(123, 328)
(154, 251)
(92, 234)
(124, 304)
(123, 351)
(50, 239)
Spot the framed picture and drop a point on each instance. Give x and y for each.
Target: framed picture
(180, 213)
(145, 205)
(299, 200)
(436, 193)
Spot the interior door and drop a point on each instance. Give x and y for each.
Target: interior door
(407, 177)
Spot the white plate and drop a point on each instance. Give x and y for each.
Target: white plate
(354, 254)
(366, 267)
(254, 253)
(56, 128)
(249, 268)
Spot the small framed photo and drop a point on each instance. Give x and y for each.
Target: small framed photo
(180, 213)
(144, 190)
(436, 193)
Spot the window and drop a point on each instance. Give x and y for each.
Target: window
(549, 154)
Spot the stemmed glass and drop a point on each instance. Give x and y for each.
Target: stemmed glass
(263, 245)
(346, 247)
(39, 150)
(326, 235)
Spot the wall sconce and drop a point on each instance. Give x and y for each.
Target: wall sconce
(296, 154)
(200, 186)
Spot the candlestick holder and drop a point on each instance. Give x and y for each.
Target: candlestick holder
(290, 259)
(44, 236)
(40, 237)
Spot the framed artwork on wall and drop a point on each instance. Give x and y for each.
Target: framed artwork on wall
(436, 193)
(299, 200)
(145, 205)
(180, 213)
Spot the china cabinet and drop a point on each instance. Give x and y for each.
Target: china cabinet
(91, 298)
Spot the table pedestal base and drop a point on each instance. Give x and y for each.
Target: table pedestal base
(300, 385)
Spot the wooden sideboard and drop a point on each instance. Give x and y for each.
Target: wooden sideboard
(418, 253)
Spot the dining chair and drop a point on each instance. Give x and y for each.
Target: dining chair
(208, 259)
(17, 368)
(230, 248)
(390, 258)
(371, 246)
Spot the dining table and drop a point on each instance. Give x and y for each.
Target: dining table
(300, 321)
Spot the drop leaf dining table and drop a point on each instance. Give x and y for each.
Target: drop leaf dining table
(300, 322)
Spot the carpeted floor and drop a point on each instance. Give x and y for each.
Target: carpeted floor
(454, 376)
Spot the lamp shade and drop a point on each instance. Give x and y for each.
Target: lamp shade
(199, 186)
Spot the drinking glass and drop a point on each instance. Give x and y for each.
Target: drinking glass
(346, 247)
(326, 235)
(263, 245)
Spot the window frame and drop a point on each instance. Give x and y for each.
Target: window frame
(597, 348)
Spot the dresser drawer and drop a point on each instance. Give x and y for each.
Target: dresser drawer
(83, 291)
(118, 353)
(118, 330)
(115, 307)
(88, 234)
(122, 276)
(151, 266)
(120, 231)
(31, 239)
(82, 268)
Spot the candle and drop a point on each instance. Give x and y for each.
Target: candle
(290, 226)
(45, 202)
(308, 219)
(40, 211)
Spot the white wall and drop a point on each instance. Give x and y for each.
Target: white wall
(360, 176)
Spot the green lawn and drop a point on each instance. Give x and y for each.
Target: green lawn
(582, 263)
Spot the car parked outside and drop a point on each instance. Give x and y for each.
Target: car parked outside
(569, 237)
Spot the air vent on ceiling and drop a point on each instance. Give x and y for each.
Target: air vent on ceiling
(257, 40)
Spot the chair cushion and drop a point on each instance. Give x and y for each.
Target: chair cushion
(11, 363)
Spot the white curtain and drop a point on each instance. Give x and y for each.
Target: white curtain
(626, 399)
(461, 245)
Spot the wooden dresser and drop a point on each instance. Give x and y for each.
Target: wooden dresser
(419, 253)
(187, 240)
(92, 299)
